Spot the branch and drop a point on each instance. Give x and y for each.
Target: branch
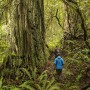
(58, 19)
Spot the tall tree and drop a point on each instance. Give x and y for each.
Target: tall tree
(27, 30)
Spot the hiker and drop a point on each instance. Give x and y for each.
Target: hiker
(59, 62)
(57, 51)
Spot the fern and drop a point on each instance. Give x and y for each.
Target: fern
(10, 87)
(40, 83)
(38, 87)
(43, 75)
(26, 72)
(54, 88)
(44, 83)
(15, 88)
(27, 82)
(34, 72)
(27, 87)
(50, 83)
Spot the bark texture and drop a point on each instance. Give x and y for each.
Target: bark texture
(28, 31)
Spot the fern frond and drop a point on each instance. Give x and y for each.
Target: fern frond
(44, 72)
(14, 88)
(43, 75)
(27, 87)
(55, 87)
(10, 87)
(26, 83)
(38, 87)
(44, 84)
(26, 72)
(34, 73)
(7, 87)
(50, 83)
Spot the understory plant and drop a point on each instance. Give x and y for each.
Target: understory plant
(33, 81)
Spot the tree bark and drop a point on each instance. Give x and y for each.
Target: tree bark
(73, 5)
(28, 30)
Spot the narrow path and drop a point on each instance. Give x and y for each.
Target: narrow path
(66, 82)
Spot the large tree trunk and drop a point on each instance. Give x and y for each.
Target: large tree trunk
(28, 30)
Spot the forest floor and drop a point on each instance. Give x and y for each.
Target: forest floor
(66, 80)
(75, 74)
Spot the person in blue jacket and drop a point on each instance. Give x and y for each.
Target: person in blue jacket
(59, 62)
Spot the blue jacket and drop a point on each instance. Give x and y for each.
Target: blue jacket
(59, 62)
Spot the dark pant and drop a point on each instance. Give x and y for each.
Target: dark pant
(59, 72)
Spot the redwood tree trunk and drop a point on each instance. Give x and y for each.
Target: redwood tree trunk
(28, 30)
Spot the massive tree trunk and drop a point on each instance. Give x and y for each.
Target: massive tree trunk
(28, 30)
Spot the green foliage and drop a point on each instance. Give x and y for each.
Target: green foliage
(88, 89)
(1, 82)
(26, 85)
(43, 75)
(54, 32)
(3, 42)
(76, 51)
(14, 88)
(8, 87)
(26, 72)
(35, 82)
(73, 87)
(40, 83)
(85, 51)
(7, 72)
(79, 77)
(83, 55)
(33, 72)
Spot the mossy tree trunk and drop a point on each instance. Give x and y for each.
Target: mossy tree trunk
(74, 20)
(28, 31)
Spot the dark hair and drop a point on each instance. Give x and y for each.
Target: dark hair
(58, 54)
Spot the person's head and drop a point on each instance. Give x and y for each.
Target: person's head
(58, 54)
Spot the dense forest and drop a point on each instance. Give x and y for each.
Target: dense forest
(30, 30)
